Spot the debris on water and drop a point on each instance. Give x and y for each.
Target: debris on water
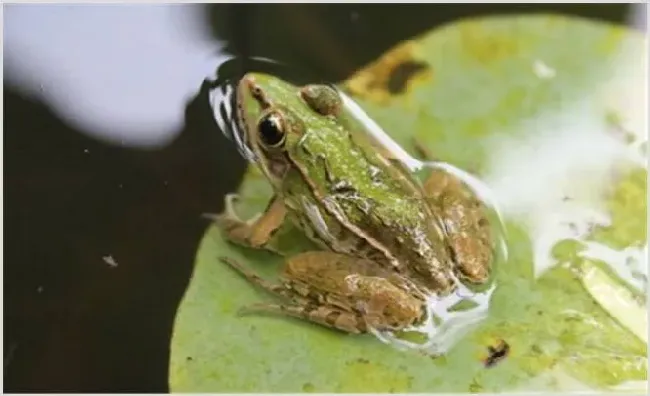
(110, 261)
(39, 289)
(496, 353)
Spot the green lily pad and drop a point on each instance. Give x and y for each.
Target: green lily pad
(458, 90)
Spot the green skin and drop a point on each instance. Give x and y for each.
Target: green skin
(350, 197)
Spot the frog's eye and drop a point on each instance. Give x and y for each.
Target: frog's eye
(322, 99)
(271, 130)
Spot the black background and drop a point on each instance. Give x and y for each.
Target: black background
(73, 323)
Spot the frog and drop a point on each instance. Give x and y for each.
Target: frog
(383, 240)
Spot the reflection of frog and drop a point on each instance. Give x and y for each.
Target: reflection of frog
(386, 238)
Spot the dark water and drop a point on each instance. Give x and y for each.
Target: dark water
(73, 325)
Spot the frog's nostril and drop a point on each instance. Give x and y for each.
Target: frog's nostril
(256, 91)
(248, 78)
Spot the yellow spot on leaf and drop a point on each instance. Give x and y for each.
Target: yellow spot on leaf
(369, 377)
(487, 48)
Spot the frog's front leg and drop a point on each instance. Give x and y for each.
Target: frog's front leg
(465, 221)
(256, 232)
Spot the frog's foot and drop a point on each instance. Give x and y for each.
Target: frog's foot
(464, 218)
(229, 203)
(229, 211)
(409, 286)
(256, 232)
(252, 277)
(323, 315)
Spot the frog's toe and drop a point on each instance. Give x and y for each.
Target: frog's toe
(475, 271)
(248, 310)
(229, 209)
(229, 215)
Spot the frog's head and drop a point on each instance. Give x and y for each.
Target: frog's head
(274, 115)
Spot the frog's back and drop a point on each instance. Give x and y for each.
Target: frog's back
(360, 207)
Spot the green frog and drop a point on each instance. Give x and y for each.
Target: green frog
(386, 240)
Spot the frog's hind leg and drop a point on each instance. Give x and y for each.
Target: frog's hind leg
(256, 232)
(323, 315)
(252, 277)
(465, 221)
(300, 306)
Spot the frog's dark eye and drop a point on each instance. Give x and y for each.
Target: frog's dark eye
(322, 99)
(271, 130)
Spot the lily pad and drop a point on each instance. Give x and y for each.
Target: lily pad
(465, 91)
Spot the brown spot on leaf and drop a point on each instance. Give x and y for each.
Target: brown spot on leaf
(401, 74)
(496, 353)
(394, 73)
